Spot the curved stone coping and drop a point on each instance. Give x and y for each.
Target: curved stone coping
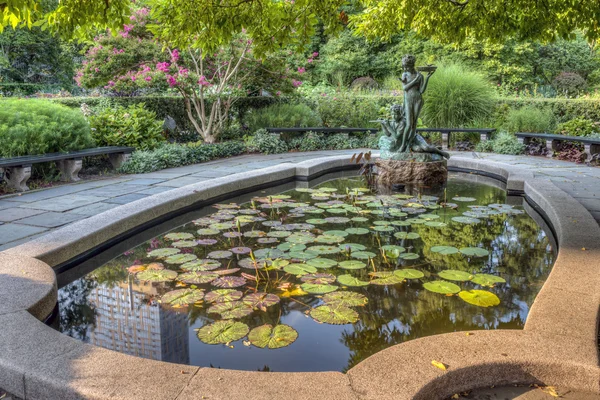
(558, 345)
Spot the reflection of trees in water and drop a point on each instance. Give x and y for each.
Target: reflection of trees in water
(76, 314)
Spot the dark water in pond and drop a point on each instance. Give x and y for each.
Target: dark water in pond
(360, 236)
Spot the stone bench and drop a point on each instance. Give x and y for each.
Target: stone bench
(484, 133)
(17, 170)
(345, 131)
(591, 145)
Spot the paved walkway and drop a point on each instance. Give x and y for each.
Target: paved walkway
(24, 217)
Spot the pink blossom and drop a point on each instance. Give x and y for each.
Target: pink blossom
(310, 60)
(171, 80)
(301, 70)
(202, 81)
(164, 67)
(315, 54)
(148, 78)
(133, 78)
(296, 83)
(278, 93)
(174, 56)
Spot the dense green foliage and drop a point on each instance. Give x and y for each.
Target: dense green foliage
(266, 143)
(283, 116)
(457, 97)
(578, 127)
(132, 126)
(530, 119)
(30, 127)
(503, 143)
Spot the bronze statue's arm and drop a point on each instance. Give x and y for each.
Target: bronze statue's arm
(426, 82)
(409, 86)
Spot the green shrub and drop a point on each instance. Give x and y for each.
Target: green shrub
(503, 143)
(29, 127)
(266, 143)
(131, 126)
(578, 127)
(354, 111)
(530, 119)
(569, 83)
(283, 116)
(456, 97)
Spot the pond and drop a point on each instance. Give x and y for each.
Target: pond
(316, 279)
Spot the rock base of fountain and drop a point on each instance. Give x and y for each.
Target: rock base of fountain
(399, 172)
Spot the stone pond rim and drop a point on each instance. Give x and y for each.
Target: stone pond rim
(558, 345)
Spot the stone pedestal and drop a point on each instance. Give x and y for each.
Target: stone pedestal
(394, 172)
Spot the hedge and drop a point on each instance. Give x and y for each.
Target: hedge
(563, 109)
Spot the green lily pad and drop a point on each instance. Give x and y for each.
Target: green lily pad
(182, 297)
(180, 258)
(444, 250)
(229, 281)
(474, 251)
(182, 244)
(302, 255)
(464, 199)
(324, 249)
(299, 269)
(357, 231)
(409, 273)
(260, 300)
(300, 239)
(336, 233)
(221, 226)
(349, 280)
(316, 221)
(222, 295)
(345, 299)
(384, 228)
(429, 217)
(442, 287)
(409, 256)
(207, 232)
(352, 247)
(179, 236)
(406, 235)
(268, 253)
(272, 337)
(487, 280)
(291, 247)
(318, 278)
(201, 265)
(481, 298)
(231, 309)
(352, 264)
(198, 278)
(161, 253)
(360, 219)
(466, 220)
(364, 255)
(386, 278)
(455, 275)
(435, 224)
(279, 234)
(322, 263)
(334, 315)
(329, 239)
(318, 289)
(220, 254)
(153, 275)
(400, 223)
(222, 332)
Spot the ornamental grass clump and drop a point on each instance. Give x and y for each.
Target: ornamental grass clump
(456, 97)
(283, 116)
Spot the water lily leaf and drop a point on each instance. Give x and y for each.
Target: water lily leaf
(279, 234)
(357, 231)
(241, 250)
(474, 251)
(223, 295)
(455, 275)
(336, 211)
(409, 256)
(180, 258)
(179, 236)
(268, 253)
(302, 255)
(466, 220)
(481, 298)
(429, 217)
(385, 278)
(442, 287)
(352, 264)
(360, 219)
(322, 263)
(435, 224)
(349, 280)
(228, 271)
(409, 273)
(134, 269)
(154, 275)
(230, 235)
(229, 281)
(207, 242)
(406, 235)
(364, 255)
(444, 250)
(291, 247)
(221, 226)
(299, 269)
(382, 223)
(464, 199)
(384, 228)
(161, 253)
(207, 232)
(260, 300)
(352, 246)
(316, 221)
(329, 239)
(336, 233)
(219, 254)
(182, 297)
(334, 315)
(345, 299)
(254, 234)
(318, 279)
(318, 289)
(272, 337)
(198, 277)
(393, 247)
(324, 249)
(272, 223)
(337, 220)
(487, 280)
(181, 244)
(300, 239)
(417, 221)
(231, 309)
(201, 265)
(222, 332)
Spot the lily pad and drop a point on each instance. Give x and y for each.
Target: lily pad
(153, 275)
(267, 240)
(409, 256)
(324, 249)
(352, 247)
(231, 309)
(444, 250)
(360, 219)
(240, 250)
(222, 332)
(466, 220)
(300, 239)
(464, 199)
(302, 255)
(442, 287)
(393, 247)
(260, 300)
(334, 315)
(318, 289)
(349, 280)
(182, 297)
(201, 265)
(323, 263)
(272, 337)
(254, 234)
(229, 281)
(337, 220)
(435, 224)
(268, 253)
(406, 235)
(182, 244)
(207, 242)
(179, 236)
(357, 231)
(487, 280)
(329, 239)
(345, 299)
(352, 264)
(409, 273)
(161, 253)
(219, 254)
(299, 269)
(180, 258)
(386, 278)
(197, 278)
(223, 295)
(474, 251)
(364, 255)
(279, 234)
(455, 275)
(318, 279)
(291, 247)
(481, 298)
(207, 232)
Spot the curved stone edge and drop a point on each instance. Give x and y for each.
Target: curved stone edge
(558, 345)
